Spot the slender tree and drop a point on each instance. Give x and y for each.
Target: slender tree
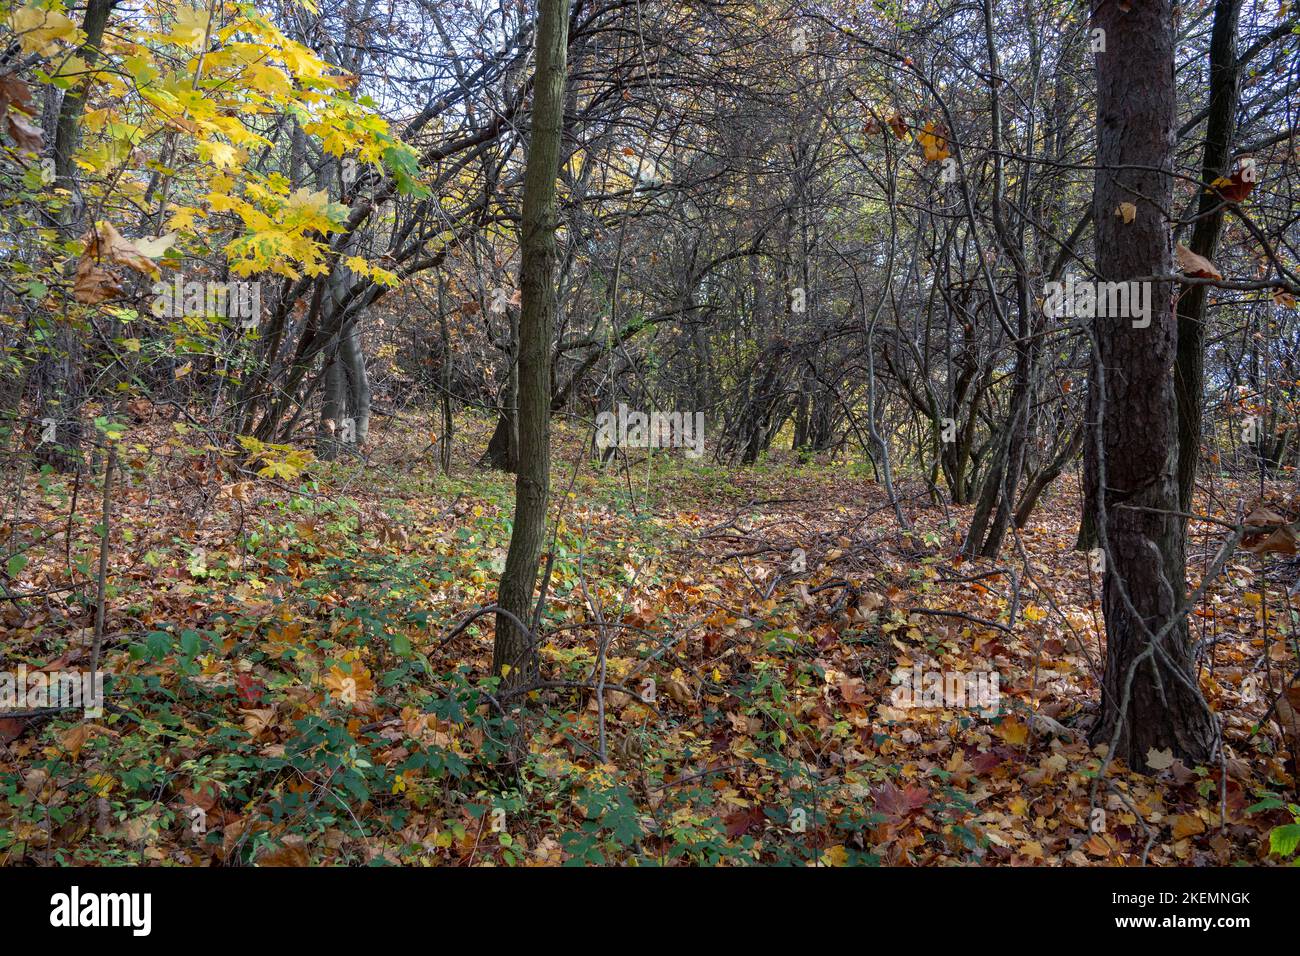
(1219, 129)
(513, 656)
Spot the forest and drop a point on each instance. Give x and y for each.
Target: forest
(691, 433)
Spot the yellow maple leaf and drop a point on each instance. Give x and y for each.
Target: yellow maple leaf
(222, 155)
(38, 30)
(351, 688)
(836, 855)
(1034, 613)
(305, 209)
(182, 217)
(300, 60)
(1013, 732)
(190, 27)
(267, 79)
(100, 784)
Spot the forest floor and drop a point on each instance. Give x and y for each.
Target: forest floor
(289, 684)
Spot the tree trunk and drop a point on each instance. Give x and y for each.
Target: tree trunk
(353, 360)
(1040, 480)
(61, 374)
(1189, 373)
(1150, 696)
(498, 454)
(332, 410)
(513, 657)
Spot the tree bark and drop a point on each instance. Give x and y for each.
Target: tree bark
(513, 657)
(354, 366)
(332, 410)
(1150, 696)
(1189, 373)
(61, 374)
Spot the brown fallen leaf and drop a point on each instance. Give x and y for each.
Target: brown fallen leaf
(679, 691)
(292, 855)
(11, 728)
(1286, 714)
(896, 803)
(744, 821)
(1098, 845)
(853, 691)
(74, 739)
(1160, 759)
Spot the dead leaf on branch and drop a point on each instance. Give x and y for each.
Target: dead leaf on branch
(1194, 266)
(16, 99)
(15, 94)
(95, 284)
(27, 136)
(934, 143)
(1269, 533)
(1236, 187)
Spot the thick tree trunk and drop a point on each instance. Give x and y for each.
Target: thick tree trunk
(1150, 697)
(512, 657)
